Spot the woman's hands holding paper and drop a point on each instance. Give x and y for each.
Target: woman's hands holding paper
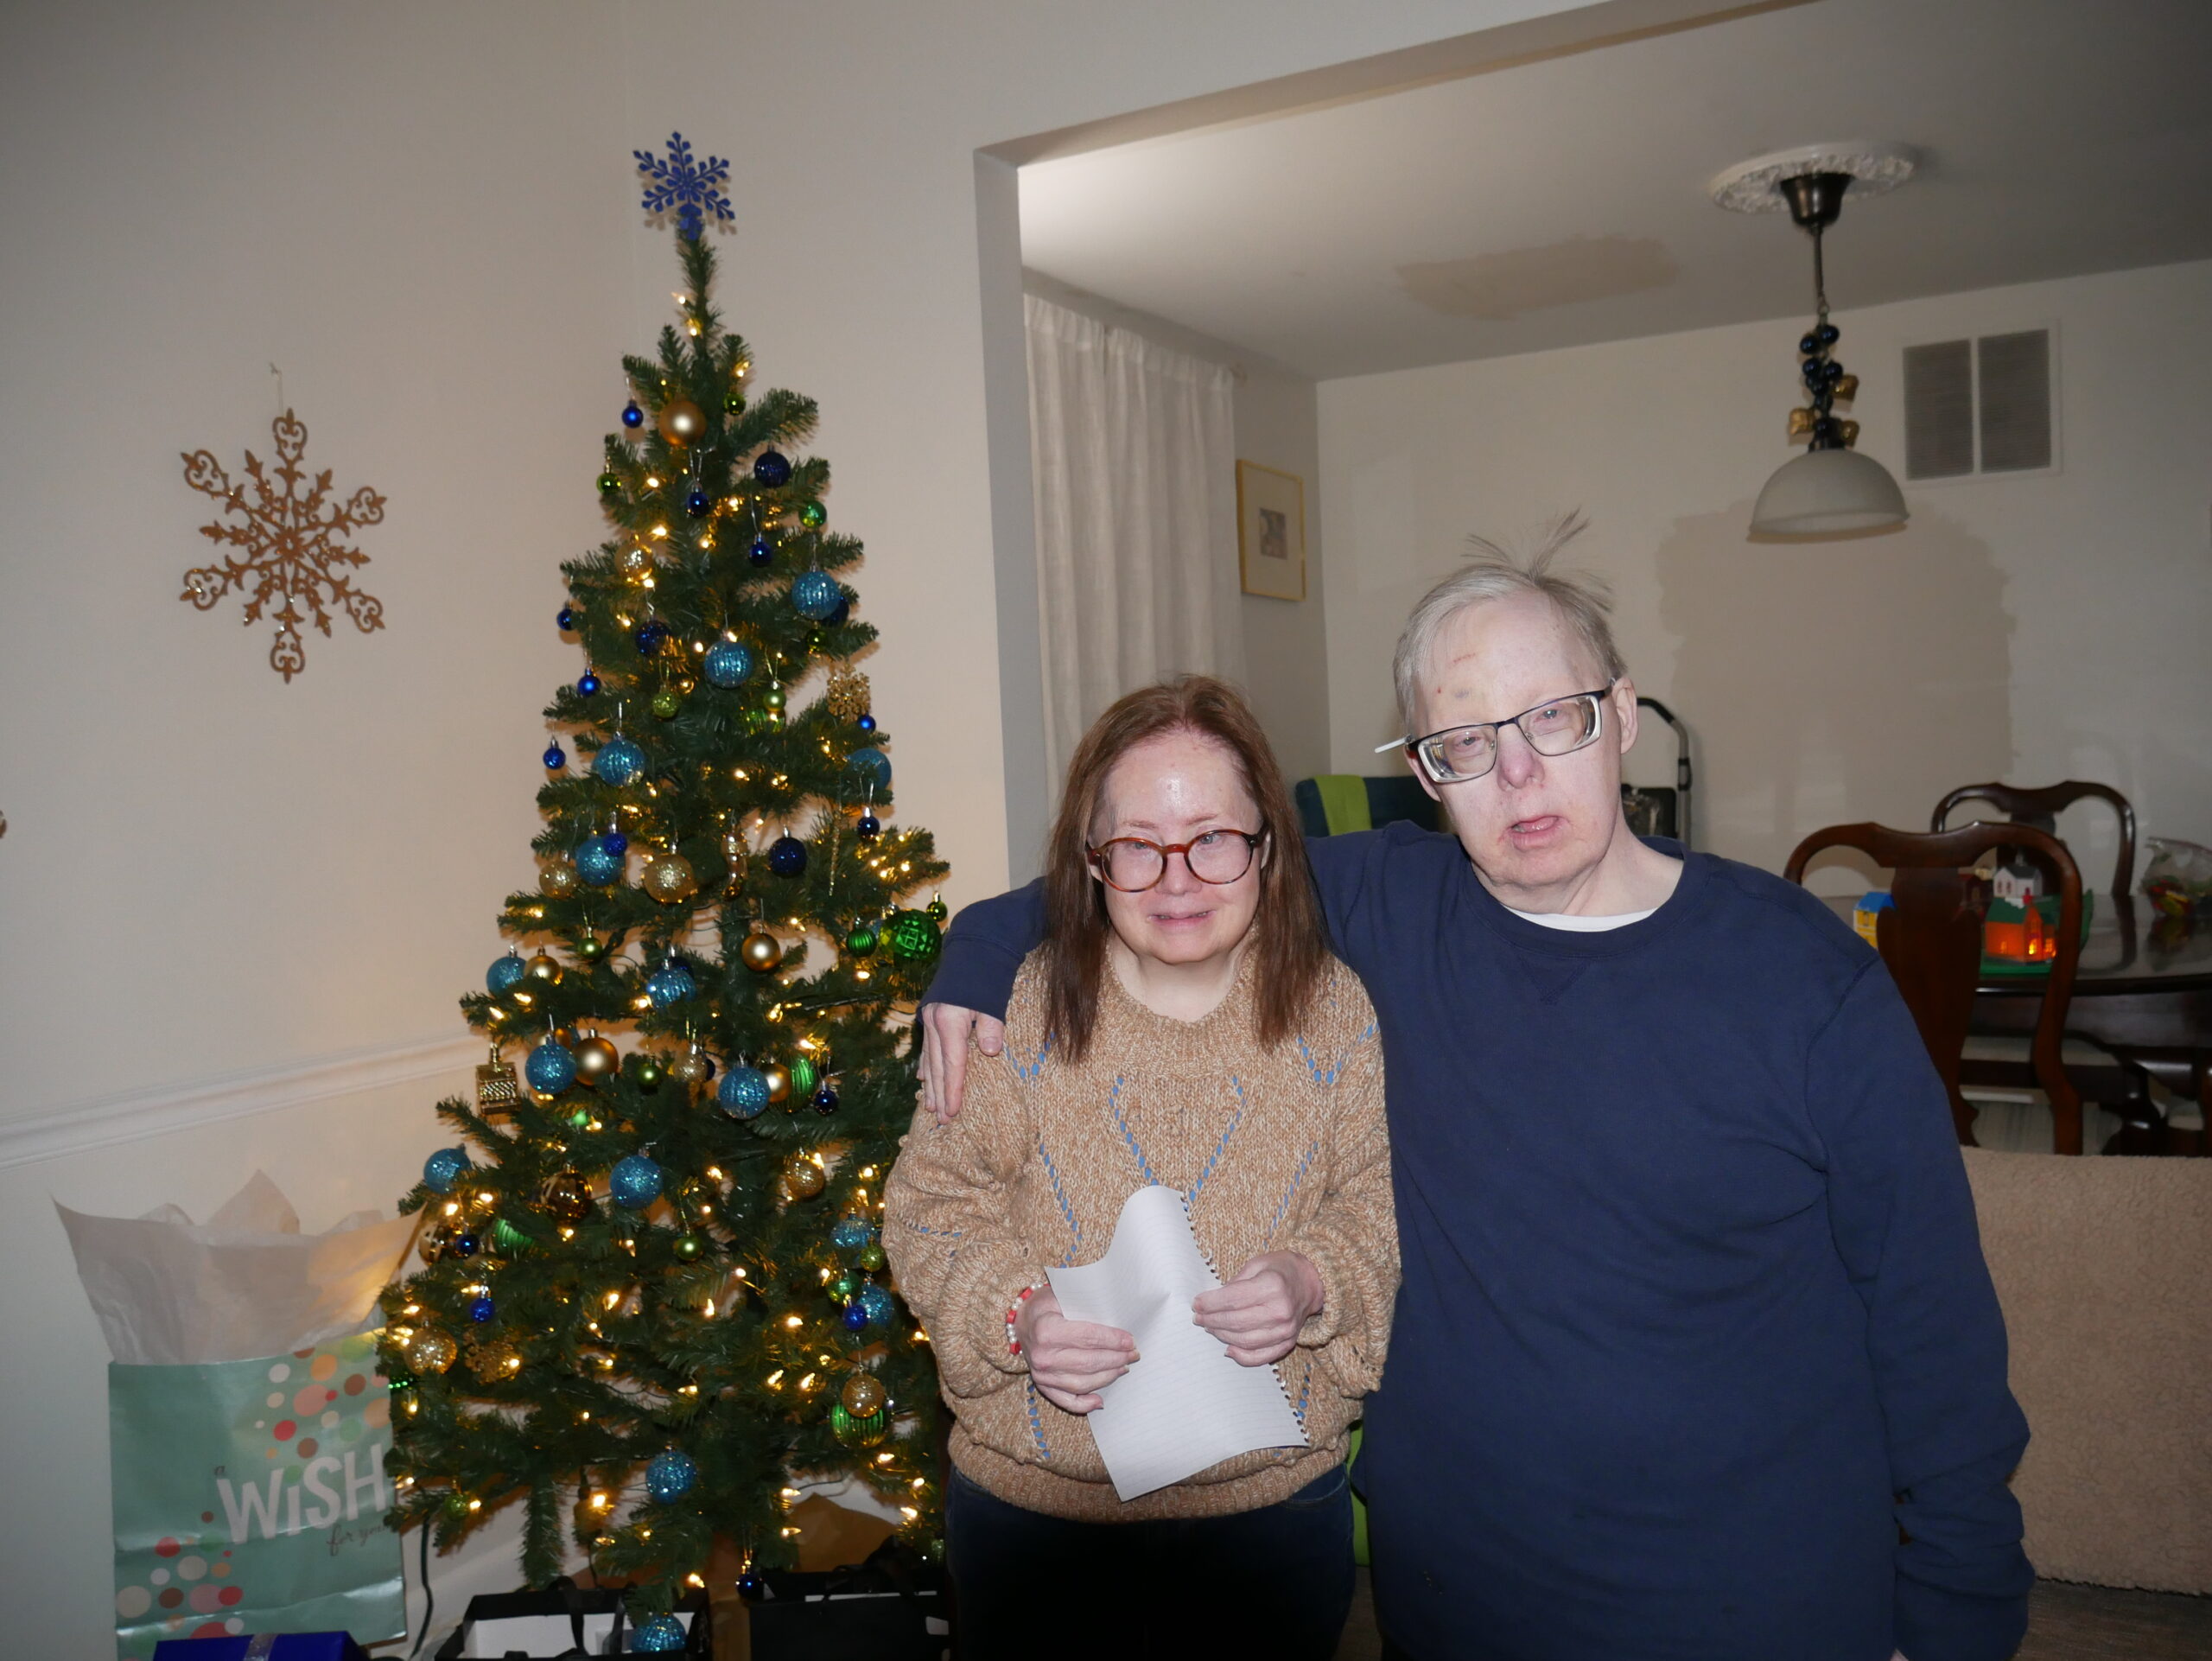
(1069, 1361)
(1258, 1313)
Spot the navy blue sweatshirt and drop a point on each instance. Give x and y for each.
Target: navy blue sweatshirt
(1695, 1357)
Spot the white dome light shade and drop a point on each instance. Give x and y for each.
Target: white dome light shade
(1828, 492)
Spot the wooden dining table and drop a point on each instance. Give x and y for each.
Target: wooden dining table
(2144, 989)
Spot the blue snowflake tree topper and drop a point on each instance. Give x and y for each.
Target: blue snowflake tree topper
(686, 185)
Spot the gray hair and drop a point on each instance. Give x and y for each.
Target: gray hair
(1580, 600)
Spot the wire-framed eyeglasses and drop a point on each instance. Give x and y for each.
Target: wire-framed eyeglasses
(1136, 863)
(1557, 727)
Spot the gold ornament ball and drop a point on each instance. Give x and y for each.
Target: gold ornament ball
(779, 1086)
(431, 1351)
(680, 421)
(556, 881)
(671, 878)
(543, 967)
(568, 1197)
(433, 1241)
(634, 561)
(863, 1396)
(761, 950)
(804, 1179)
(691, 1068)
(596, 1058)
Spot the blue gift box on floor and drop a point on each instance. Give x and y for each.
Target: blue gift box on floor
(263, 1646)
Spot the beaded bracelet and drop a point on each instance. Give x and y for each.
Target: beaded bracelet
(1014, 1314)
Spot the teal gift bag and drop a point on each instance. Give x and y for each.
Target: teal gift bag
(250, 1497)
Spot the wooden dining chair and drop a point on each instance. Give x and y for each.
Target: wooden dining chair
(2038, 807)
(1930, 937)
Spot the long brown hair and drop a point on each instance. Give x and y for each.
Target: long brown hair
(1289, 947)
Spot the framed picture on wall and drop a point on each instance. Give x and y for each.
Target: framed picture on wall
(1271, 531)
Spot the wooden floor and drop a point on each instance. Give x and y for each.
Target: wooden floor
(2065, 1623)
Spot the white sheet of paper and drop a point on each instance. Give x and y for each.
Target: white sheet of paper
(1184, 1405)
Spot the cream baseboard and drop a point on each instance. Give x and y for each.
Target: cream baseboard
(135, 1115)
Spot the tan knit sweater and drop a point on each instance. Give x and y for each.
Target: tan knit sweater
(1280, 1149)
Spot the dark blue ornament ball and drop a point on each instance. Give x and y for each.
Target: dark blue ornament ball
(1828, 334)
(587, 684)
(840, 612)
(1808, 345)
(787, 856)
(762, 551)
(869, 828)
(443, 1169)
(825, 1101)
(617, 843)
(750, 1586)
(554, 757)
(670, 1476)
(743, 1092)
(772, 469)
(632, 415)
(866, 723)
(634, 1183)
(650, 636)
(481, 1311)
(855, 1316)
(502, 973)
(659, 1635)
(463, 1246)
(565, 619)
(696, 503)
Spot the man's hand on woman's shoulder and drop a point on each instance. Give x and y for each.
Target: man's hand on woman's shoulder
(946, 1031)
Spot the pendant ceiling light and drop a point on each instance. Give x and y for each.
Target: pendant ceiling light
(1831, 490)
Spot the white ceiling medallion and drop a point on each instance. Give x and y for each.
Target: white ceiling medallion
(1873, 166)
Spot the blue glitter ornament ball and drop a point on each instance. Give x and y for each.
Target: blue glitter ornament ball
(743, 1092)
(659, 1635)
(618, 760)
(651, 635)
(565, 619)
(671, 984)
(598, 862)
(504, 972)
(873, 764)
(854, 1317)
(587, 684)
(481, 1311)
(727, 664)
(869, 828)
(877, 1304)
(443, 1169)
(787, 856)
(554, 757)
(772, 469)
(634, 1183)
(550, 1068)
(761, 551)
(815, 594)
(669, 1477)
(852, 1233)
(632, 415)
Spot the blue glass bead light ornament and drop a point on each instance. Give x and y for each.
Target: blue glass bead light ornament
(632, 415)
(668, 1477)
(634, 1183)
(852, 1232)
(554, 757)
(481, 1311)
(618, 760)
(787, 856)
(772, 469)
(855, 1316)
(727, 664)
(443, 1169)
(669, 985)
(565, 619)
(877, 1305)
(869, 828)
(815, 594)
(598, 863)
(866, 723)
(873, 764)
(587, 684)
(659, 1635)
(762, 551)
(504, 972)
(550, 1068)
(743, 1092)
(696, 503)
(825, 1100)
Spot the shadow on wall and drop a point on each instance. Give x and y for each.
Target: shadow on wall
(1829, 683)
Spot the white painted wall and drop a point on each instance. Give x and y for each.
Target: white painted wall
(427, 215)
(2030, 628)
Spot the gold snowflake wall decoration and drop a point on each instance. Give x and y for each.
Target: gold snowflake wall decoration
(290, 547)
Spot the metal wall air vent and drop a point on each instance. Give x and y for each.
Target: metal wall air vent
(1979, 406)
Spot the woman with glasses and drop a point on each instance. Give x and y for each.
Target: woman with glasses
(1182, 1023)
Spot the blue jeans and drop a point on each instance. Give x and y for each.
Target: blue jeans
(1275, 1581)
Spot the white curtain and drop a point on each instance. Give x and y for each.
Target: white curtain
(1132, 448)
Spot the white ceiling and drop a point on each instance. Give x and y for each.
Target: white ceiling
(1564, 202)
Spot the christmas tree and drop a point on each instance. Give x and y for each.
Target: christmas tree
(652, 1295)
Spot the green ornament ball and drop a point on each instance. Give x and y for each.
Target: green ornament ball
(862, 940)
(649, 1076)
(772, 698)
(505, 1239)
(665, 703)
(936, 911)
(844, 1288)
(590, 949)
(804, 1076)
(734, 402)
(814, 516)
(871, 1259)
(609, 484)
(854, 1432)
(688, 1248)
(913, 936)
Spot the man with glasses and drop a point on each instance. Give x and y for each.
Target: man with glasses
(1696, 1354)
